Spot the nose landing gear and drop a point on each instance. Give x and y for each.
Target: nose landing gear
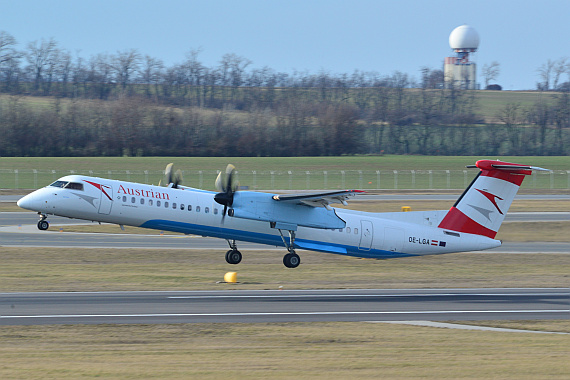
(43, 224)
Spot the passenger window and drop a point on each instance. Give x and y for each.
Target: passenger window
(150, 202)
(197, 208)
(189, 207)
(142, 201)
(124, 198)
(166, 204)
(181, 206)
(215, 211)
(340, 230)
(207, 210)
(356, 231)
(157, 203)
(347, 230)
(174, 205)
(133, 200)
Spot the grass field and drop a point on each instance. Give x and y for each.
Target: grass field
(491, 103)
(68, 269)
(386, 162)
(280, 351)
(364, 172)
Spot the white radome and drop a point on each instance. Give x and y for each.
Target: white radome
(464, 37)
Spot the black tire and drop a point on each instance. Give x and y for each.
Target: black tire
(233, 256)
(43, 225)
(291, 260)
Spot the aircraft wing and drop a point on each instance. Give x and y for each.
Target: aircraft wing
(318, 199)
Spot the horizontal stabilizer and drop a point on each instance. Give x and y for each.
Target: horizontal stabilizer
(483, 164)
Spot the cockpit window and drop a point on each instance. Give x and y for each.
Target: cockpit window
(59, 183)
(74, 186)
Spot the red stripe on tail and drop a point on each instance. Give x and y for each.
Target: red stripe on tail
(455, 220)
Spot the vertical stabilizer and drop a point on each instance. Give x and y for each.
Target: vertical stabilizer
(482, 207)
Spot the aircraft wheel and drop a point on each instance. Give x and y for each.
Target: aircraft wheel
(233, 256)
(43, 225)
(291, 260)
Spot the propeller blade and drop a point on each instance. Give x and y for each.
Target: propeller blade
(229, 178)
(177, 178)
(219, 184)
(226, 186)
(168, 173)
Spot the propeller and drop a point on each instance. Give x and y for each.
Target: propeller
(174, 179)
(227, 187)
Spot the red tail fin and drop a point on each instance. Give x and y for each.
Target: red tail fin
(482, 207)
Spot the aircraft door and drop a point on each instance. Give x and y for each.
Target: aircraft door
(106, 199)
(394, 239)
(366, 235)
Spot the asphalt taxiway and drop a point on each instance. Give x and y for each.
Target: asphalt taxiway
(252, 306)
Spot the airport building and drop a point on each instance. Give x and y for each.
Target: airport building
(460, 70)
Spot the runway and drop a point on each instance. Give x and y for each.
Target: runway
(284, 306)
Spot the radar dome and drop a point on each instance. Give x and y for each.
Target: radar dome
(464, 37)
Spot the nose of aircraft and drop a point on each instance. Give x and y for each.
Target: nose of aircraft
(28, 202)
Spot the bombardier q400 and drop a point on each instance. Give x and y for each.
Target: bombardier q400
(299, 221)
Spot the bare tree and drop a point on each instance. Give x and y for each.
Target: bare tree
(40, 57)
(545, 72)
(559, 68)
(7, 44)
(194, 73)
(491, 72)
(511, 117)
(151, 74)
(431, 78)
(9, 60)
(124, 65)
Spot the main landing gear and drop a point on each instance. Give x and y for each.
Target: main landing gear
(233, 256)
(43, 224)
(291, 259)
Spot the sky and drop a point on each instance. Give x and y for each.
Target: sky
(305, 35)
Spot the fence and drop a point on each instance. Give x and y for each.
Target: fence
(292, 180)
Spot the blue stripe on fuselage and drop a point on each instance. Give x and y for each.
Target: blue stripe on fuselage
(267, 239)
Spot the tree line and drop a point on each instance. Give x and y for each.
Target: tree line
(130, 104)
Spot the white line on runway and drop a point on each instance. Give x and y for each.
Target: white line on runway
(371, 295)
(284, 314)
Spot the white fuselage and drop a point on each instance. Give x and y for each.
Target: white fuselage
(193, 211)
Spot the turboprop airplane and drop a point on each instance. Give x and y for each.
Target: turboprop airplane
(299, 221)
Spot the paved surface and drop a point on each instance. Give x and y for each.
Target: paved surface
(284, 306)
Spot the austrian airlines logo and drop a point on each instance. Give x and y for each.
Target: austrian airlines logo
(493, 198)
(103, 188)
